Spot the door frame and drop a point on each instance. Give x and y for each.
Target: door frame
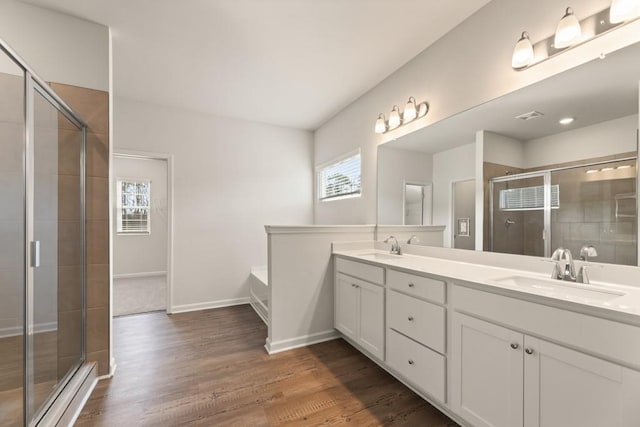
(146, 155)
(404, 198)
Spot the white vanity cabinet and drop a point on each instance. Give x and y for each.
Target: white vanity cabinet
(503, 377)
(359, 305)
(416, 331)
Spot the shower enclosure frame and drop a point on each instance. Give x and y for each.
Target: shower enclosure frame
(33, 85)
(546, 175)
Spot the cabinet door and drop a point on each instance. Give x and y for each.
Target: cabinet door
(372, 318)
(346, 306)
(487, 373)
(565, 387)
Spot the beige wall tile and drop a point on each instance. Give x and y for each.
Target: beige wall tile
(97, 242)
(97, 285)
(97, 199)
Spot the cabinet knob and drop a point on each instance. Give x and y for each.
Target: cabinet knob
(528, 350)
(515, 345)
(410, 318)
(411, 362)
(411, 285)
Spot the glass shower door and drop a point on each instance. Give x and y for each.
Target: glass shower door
(55, 282)
(599, 209)
(519, 213)
(12, 241)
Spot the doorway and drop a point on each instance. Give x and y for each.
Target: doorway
(417, 203)
(141, 234)
(463, 217)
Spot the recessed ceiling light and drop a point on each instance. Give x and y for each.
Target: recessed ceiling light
(566, 120)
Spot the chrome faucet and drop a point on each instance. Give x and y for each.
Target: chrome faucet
(395, 246)
(413, 238)
(586, 251)
(563, 267)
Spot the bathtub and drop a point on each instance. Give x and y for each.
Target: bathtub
(259, 297)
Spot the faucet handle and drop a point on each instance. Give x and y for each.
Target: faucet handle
(583, 277)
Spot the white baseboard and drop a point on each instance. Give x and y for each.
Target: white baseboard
(38, 328)
(273, 347)
(183, 308)
(139, 275)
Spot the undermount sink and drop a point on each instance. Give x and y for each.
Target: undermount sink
(379, 256)
(560, 289)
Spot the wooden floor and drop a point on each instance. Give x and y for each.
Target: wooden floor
(209, 368)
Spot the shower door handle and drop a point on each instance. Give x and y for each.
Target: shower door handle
(35, 254)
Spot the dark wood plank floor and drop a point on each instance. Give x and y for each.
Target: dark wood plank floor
(210, 368)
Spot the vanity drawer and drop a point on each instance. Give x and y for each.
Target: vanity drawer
(418, 286)
(420, 320)
(363, 271)
(420, 366)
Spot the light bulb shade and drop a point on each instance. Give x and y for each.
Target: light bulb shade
(568, 32)
(394, 117)
(410, 111)
(522, 53)
(624, 10)
(381, 124)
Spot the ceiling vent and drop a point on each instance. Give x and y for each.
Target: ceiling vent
(530, 115)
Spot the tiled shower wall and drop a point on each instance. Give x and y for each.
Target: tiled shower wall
(93, 107)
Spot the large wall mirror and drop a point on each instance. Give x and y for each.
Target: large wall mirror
(540, 182)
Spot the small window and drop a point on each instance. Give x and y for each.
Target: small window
(528, 198)
(133, 203)
(340, 178)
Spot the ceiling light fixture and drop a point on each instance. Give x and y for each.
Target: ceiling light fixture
(624, 10)
(523, 52)
(571, 32)
(381, 124)
(411, 112)
(568, 31)
(566, 120)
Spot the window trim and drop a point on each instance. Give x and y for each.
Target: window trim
(335, 160)
(119, 207)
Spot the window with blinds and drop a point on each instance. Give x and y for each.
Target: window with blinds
(133, 206)
(340, 179)
(528, 198)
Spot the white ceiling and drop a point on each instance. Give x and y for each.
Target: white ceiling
(601, 90)
(287, 62)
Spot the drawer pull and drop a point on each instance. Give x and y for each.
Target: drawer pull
(411, 285)
(411, 362)
(410, 318)
(528, 350)
(515, 345)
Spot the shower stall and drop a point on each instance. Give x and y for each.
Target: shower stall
(42, 235)
(593, 203)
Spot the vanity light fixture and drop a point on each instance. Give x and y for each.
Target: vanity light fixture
(624, 10)
(566, 120)
(592, 171)
(568, 31)
(381, 124)
(411, 112)
(623, 167)
(523, 52)
(572, 32)
(606, 169)
(394, 117)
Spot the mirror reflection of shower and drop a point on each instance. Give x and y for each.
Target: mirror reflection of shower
(592, 204)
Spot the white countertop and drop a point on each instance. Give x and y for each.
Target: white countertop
(616, 301)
